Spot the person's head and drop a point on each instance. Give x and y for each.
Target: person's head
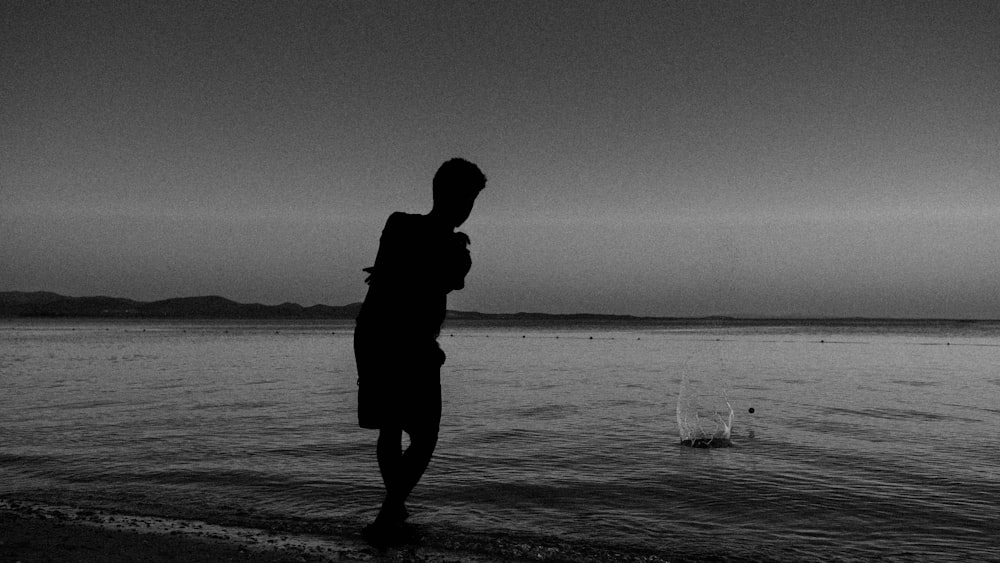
(456, 185)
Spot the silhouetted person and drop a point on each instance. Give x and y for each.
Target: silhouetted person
(421, 258)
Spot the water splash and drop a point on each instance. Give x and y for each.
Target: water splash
(699, 426)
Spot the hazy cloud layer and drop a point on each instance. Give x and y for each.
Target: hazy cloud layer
(806, 158)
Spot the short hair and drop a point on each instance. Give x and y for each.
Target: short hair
(457, 175)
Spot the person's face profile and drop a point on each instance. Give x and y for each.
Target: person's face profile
(460, 209)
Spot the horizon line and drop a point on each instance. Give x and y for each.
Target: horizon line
(709, 317)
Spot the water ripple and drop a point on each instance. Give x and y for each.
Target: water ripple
(572, 438)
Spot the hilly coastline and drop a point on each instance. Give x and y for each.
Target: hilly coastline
(43, 304)
(53, 305)
(19, 304)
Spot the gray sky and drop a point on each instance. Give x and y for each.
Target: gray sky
(661, 158)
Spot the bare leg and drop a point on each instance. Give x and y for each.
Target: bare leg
(414, 462)
(390, 455)
(401, 471)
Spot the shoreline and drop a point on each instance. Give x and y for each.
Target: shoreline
(28, 540)
(34, 532)
(37, 532)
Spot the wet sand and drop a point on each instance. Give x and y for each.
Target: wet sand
(31, 540)
(32, 532)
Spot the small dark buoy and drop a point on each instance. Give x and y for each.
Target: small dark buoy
(522, 336)
(822, 341)
(751, 410)
(591, 337)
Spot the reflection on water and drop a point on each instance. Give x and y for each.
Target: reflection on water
(859, 443)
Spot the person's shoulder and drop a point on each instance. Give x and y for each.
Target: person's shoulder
(398, 219)
(401, 224)
(406, 221)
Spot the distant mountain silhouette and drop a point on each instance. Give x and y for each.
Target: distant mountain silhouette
(45, 304)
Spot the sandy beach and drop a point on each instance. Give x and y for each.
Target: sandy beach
(31, 532)
(34, 533)
(30, 539)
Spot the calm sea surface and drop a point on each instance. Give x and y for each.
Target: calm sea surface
(866, 442)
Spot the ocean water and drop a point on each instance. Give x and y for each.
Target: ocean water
(867, 441)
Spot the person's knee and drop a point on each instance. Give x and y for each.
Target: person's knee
(390, 438)
(424, 440)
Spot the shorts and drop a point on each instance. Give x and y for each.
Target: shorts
(399, 386)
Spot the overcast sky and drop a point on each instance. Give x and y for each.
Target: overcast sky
(660, 158)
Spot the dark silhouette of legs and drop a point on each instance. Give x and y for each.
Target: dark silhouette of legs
(401, 470)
